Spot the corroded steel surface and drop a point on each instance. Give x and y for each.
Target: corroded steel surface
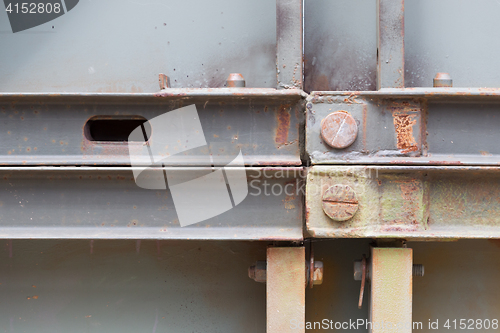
(41, 129)
(431, 126)
(286, 280)
(408, 202)
(391, 290)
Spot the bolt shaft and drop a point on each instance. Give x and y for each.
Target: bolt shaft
(418, 270)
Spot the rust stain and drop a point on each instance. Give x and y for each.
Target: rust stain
(403, 124)
(409, 191)
(283, 119)
(289, 202)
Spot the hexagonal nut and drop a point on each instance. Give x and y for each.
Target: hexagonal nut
(258, 272)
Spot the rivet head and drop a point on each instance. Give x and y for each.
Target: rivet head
(235, 80)
(442, 80)
(340, 202)
(339, 129)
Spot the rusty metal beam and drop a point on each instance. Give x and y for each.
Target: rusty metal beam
(289, 44)
(391, 290)
(406, 202)
(430, 126)
(286, 279)
(51, 129)
(439, 93)
(390, 44)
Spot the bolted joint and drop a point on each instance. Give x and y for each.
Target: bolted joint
(340, 202)
(235, 80)
(418, 270)
(258, 273)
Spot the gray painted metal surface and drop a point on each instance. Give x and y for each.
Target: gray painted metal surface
(122, 46)
(130, 286)
(390, 44)
(41, 129)
(414, 125)
(457, 37)
(289, 44)
(340, 45)
(95, 203)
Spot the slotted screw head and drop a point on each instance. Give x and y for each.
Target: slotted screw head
(339, 129)
(340, 202)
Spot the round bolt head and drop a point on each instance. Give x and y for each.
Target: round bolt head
(442, 80)
(235, 80)
(340, 202)
(339, 129)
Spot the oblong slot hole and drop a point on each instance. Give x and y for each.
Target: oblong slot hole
(115, 129)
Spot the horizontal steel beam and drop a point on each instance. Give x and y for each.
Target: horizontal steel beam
(428, 93)
(406, 202)
(167, 93)
(106, 203)
(50, 129)
(406, 126)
